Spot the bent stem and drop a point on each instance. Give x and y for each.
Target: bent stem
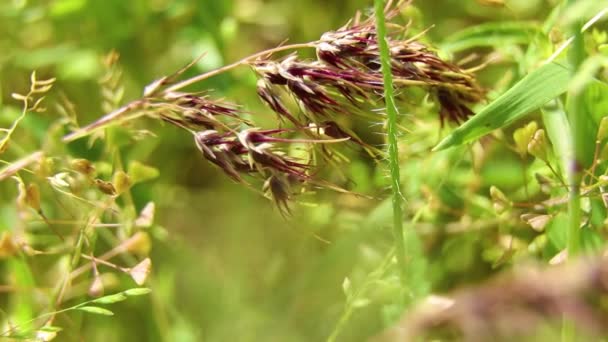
(125, 113)
(392, 129)
(245, 60)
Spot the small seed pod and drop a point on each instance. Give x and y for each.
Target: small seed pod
(105, 187)
(83, 166)
(499, 200)
(32, 197)
(602, 132)
(538, 145)
(522, 137)
(121, 182)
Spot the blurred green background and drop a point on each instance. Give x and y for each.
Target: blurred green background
(226, 265)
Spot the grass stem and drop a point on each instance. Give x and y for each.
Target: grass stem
(392, 129)
(574, 108)
(245, 60)
(576, 56)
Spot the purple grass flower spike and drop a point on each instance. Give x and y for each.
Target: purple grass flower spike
(332, 93)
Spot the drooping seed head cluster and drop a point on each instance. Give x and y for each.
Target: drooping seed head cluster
(347, 72)
(344, 81)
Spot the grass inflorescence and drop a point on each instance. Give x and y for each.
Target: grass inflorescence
(352, 138)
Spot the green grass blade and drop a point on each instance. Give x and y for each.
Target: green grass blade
(584, 9)
(531, 93)
(558, 127)
(492, 34)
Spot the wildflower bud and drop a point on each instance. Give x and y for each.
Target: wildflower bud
(559, 258)
(60, 180)
(105, 187)
(45, 167)
(32, 197)
(545, 183)
(4, 145)
(537, 222)
(278, 188)
(8, 248)
(141, 271)
(83, 166)
(522, 137)
(500, 202)
(121, 182)
(538, 244)
(146, 217)
(538, 145)
(96, 289)
(602, 132)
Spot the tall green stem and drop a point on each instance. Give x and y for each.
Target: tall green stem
(576, 57)
(393, 150)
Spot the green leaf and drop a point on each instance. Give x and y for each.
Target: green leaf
(594, 98)
(583, 9)
(557, 231)
(64, 7)
(492, 34)
(558, 127)
(591, 240)
(80, 65)
(96, 310)
(531, 93)
(587, 71)
(138, 291)
(141, 173)
(115, 298)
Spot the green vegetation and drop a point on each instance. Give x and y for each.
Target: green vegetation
(177, 171)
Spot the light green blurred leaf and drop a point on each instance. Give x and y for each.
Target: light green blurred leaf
(586, 73)
(594, 107)
(79, 65)
(64, 7)
(21, 304)
(492, 34)
(558, 127)
(138, 291)
(115, 298)
(583, 10)
(139, 172)
(557, 231)
(96, 310)
(531, 93)
(591, 240)
(208, 48)
(50, 328)
(43, 56)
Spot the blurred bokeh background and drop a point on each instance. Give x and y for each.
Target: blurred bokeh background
(226, 265)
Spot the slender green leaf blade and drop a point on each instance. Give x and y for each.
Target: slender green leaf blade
(115, 298)
(531, 93)
(558, 127)
(594, 105)
(96, 310)
(492, 34)
(137, 291)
